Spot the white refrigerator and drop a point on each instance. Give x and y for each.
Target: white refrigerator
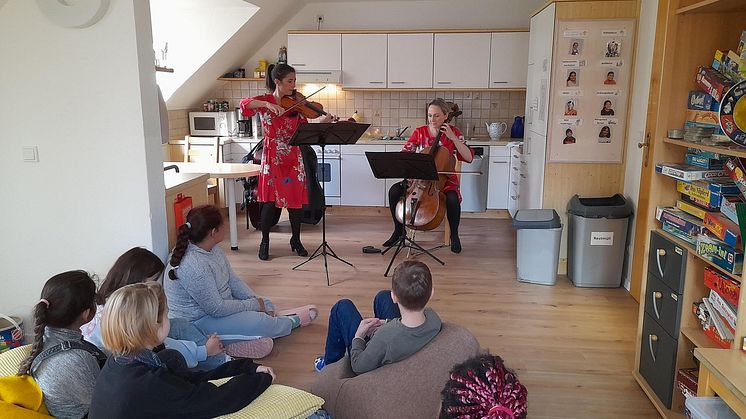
(537, 107)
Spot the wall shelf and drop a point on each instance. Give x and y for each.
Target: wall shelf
(698, 337)
(239, 79)
(730, 150)
(164, 69)
(713, 6)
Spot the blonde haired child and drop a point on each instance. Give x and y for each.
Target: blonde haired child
(135, 382)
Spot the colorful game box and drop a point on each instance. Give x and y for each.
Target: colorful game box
(724, 229)
(701, 101)
(726, 287)
(712, 82)
(720, 254)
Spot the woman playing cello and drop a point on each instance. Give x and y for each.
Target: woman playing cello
(282, 180)
(454, 142)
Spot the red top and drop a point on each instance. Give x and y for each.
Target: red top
(422, 138)
(282, 177)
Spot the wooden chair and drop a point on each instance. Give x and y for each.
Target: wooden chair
(204, 149)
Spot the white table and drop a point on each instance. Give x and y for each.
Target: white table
(223, 171)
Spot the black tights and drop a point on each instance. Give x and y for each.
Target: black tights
(267, 216)
(453, 208)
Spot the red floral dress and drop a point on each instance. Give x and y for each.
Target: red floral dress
(282, 177)
(421, 138)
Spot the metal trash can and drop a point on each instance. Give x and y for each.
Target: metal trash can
(539, 234)
(596, 240)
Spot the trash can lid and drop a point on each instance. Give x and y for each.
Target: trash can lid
(609, 207)
(536, 219)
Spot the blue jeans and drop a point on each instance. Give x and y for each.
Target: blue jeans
(345, 318)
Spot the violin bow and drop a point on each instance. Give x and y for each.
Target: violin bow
(300, 102)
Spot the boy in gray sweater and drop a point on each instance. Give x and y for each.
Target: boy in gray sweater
(402, 324)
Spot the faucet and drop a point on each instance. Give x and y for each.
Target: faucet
(171, 166)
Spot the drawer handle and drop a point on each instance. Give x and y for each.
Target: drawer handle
(514, 183)
(656, 296)
(651, 339)
(523, 176)
(658, 254)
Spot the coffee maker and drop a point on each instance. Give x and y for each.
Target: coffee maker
(244, 124)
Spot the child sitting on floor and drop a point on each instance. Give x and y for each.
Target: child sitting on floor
(62, 363)
(402, 324)
(203, 289)
(136, 383)
(482, 387)
(199, 351)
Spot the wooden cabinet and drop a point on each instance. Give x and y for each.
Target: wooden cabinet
(410, 60)
(364, 60)
(508, 59)
(358, 185)
(315, 51)
(687, 34)
(499, 174)
(461, 60)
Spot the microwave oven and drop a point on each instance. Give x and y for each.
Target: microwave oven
(212, 124)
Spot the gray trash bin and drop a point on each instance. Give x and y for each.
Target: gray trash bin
(596, 240)
(539, 234)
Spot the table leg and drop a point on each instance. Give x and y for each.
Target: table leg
(232, 212)
(703, 383)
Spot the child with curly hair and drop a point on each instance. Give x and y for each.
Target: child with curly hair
(483, 387)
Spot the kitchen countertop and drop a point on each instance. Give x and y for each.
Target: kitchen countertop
(364, 140)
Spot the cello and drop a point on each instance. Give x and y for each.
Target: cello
(423, 206)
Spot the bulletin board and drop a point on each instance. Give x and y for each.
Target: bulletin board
(591, 75)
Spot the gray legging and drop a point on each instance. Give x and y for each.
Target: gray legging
(247, 323)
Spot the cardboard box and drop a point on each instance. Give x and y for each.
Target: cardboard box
(703, 162)
(724, 229)
(686, 172)
(700, 191)
(692, 209)
(712, 82)
(720, 254)
(701, 101)
(706, 154)
(728, 208)
(681, 220)
(726, 287)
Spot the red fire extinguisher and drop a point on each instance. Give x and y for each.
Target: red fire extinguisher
(182, 205)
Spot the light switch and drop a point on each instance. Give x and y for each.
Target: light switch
(30, 154)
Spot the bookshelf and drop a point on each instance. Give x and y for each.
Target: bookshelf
(687, 34)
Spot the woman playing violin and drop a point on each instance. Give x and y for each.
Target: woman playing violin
(451, 139)
(282, 179)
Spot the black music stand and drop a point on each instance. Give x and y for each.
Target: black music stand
(323, 134)
(399, 165)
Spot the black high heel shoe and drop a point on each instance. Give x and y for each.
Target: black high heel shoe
(395, 237)
(455, 245)
(264, 250)
(297, 247)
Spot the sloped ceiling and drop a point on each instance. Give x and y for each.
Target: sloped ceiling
(236, 50)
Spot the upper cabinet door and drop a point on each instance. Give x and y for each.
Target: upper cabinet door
(509, 59)
(462, 60)
(364, 60)
(410, 60)
(315, 51)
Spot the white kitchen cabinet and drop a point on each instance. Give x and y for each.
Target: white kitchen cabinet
(364, 60)
(410, 60)
(461, 60)
(517, 173)
(499, 175)
(508, 59)
(358, 185)
(315, 51)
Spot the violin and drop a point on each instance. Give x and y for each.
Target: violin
(295, 103)
(423, 206)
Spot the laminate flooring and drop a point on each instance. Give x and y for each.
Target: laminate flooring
(573, 348)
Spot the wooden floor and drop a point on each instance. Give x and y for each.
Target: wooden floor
(571, 347)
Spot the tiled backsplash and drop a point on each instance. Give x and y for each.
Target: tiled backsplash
(385, 111)
(178, 124)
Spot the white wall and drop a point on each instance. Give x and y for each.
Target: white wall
(389, 15)
(87, 99)
(638, 114)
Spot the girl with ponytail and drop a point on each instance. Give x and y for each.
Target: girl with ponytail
(202, 288)
(482, 387)
(282, 182)
(64, 366)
